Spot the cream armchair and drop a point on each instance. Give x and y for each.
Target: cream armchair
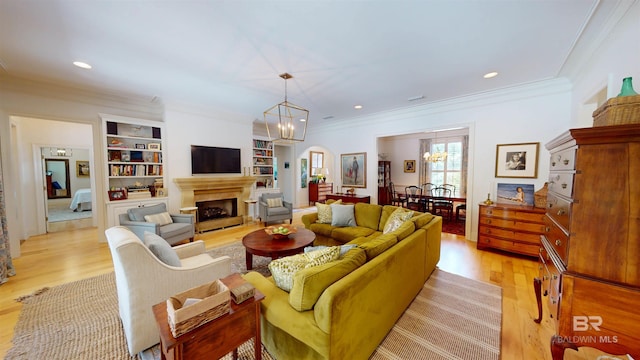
(143, 281)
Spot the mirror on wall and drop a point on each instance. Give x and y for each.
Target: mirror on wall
(58, 181)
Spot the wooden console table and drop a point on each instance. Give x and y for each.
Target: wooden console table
(218, 337)
(350, 198)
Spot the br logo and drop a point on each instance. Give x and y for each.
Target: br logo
(582, 322)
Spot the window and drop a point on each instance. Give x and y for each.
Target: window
(317, 162)
(451, 171)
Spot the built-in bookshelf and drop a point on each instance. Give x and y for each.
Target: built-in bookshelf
(263, 168)
(134, 154)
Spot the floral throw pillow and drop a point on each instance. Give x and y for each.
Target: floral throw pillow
(284, 269)
(324, 212)
(397, 218)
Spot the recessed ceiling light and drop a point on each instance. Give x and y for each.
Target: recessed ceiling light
(357, 107)
(81, 64)
(490, 75)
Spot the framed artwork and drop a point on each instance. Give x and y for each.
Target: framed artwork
(117, 195)
(354, 170)
(82, 169)
(409, 166)
(518, 194)
(517, 160)
(140, 146)
(303, 173)
(161, 192)
(153, 146)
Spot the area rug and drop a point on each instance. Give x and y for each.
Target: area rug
(453, 227)
(452, 318)
(238, 264)
(65, 214)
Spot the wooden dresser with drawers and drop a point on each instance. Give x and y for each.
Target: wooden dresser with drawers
(512, 228)
(590, 252)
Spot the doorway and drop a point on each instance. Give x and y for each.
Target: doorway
(68, 185)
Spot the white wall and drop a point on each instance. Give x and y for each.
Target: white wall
(30, 99)
(617, 57)
(185, 128)
(532, 113)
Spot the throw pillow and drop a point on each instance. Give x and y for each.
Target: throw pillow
(342, 215)
(161, 219)
(161, 249)
(284, 269)
(274, 202)
(397, 218)
(324, 212)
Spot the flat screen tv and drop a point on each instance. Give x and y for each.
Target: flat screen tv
(215, 160)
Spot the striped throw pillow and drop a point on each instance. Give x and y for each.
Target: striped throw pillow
(274, 202)
(162, 218)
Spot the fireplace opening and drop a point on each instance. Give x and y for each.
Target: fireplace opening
(217, 209)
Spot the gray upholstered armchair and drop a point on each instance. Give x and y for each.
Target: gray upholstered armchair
(272, 207)
(174, 228)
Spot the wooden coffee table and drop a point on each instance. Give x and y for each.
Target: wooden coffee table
(262, 244)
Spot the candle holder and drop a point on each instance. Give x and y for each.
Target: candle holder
(488, 201)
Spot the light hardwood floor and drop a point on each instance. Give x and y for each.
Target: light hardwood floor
(61, 257)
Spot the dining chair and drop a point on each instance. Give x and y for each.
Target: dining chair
(394, 198)
(413, 198)
(441, 203)
(426, 190)
(450, 187)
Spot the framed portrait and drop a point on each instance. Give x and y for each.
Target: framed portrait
(354, 170)
(140, 146)
(117, 195)
(153, 146)
(409, 166)
(517, 194)
(82, 169)
(161, 192)
(517, 160)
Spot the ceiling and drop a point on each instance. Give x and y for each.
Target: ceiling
(228, 54)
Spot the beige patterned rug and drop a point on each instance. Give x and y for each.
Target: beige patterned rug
(452, 318)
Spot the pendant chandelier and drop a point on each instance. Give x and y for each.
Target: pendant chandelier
(286, 122)
(437, 156)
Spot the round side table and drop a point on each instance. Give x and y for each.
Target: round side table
(248, 204)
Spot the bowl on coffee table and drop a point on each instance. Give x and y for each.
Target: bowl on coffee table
(280, 232)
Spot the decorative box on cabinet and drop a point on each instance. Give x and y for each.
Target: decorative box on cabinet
(589, 264)
(384, 178)
(318, 192)
(512, 228)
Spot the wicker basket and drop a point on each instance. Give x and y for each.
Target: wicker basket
(618, 111)
(215, 302)
(540, 197)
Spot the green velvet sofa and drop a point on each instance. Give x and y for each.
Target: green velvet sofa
(344, 309)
